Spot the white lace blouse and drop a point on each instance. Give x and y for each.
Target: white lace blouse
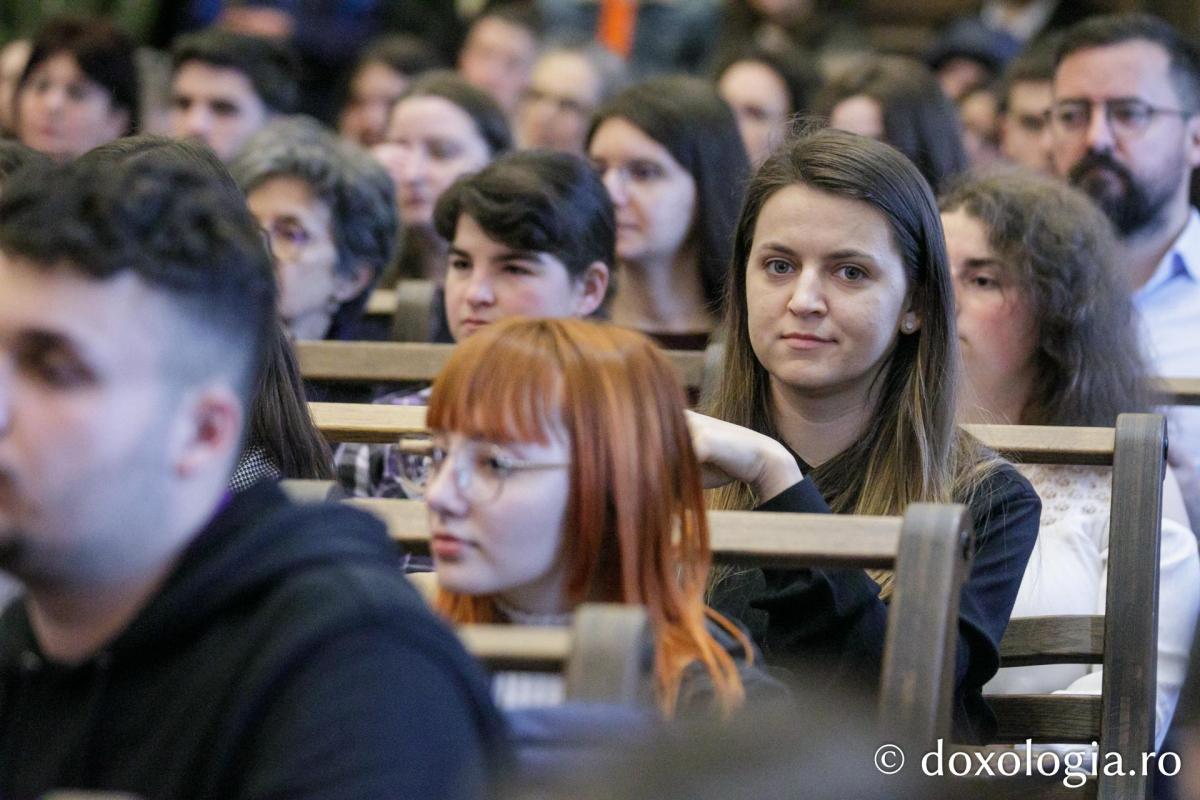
(1067, 575)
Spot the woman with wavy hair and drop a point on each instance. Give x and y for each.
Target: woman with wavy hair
(840, 378)
(560, 470)
(1049, 337)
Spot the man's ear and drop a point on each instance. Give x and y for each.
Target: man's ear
(208, 429)
(1193, 140)
(346, 287)
(591, 287)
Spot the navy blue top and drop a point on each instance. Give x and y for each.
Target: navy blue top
(830, 623)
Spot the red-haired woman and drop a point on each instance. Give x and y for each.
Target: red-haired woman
(561, 471)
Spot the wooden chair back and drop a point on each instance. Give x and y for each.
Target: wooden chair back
(604, 655)
(1125, 638)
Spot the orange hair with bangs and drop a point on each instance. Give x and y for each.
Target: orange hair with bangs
(636, 529)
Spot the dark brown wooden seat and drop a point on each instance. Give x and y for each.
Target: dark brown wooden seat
(1124, 640)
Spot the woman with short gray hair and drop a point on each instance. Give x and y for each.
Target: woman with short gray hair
(328, 212)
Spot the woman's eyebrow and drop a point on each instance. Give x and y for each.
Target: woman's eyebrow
(850, 252)
(980, 263)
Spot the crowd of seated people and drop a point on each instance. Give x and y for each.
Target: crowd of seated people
(871, 263)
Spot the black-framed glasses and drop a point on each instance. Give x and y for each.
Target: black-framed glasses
(1127, 116)
(479, 469)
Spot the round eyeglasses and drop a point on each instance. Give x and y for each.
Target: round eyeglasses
(479, 469)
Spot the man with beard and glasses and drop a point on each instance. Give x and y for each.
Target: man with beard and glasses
(1126, 131)
(176, 640)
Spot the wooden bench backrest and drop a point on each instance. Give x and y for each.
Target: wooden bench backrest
(397, 362)
(603, 655)
(360, 422)
(1177, 391)
(929, 548)
(1125, 639)
(411, 359)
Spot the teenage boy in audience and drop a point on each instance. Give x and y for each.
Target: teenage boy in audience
(176, 640)
(533, 234)
(226, 86)
(1126, 129)
(1026, 94)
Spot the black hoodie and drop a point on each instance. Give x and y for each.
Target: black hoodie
(285, 657)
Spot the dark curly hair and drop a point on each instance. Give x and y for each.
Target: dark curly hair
(172, 226)
(1059, 248)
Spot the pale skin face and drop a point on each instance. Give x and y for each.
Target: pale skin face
(373, 90)
(217, 106)
(826, 293)
(486, 281)
(1025, 135)
(433, 143)
(654, 196)
(858, 114)
(63, 113)
(300, 227)
(555, 109)
(498, 58)
(510, 547)
(96, 451)
(759, 99)
(997, 329)
(1159, 158)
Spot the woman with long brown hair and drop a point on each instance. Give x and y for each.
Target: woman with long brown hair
(560, 470)
(841, 366)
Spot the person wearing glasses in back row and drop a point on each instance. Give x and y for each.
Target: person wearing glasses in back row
(1126, 131)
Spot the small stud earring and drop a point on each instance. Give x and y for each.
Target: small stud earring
(908, 326)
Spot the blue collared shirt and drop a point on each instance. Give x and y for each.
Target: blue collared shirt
(1169, 305)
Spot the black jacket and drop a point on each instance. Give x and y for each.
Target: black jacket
(285, 657)
(829, 624)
